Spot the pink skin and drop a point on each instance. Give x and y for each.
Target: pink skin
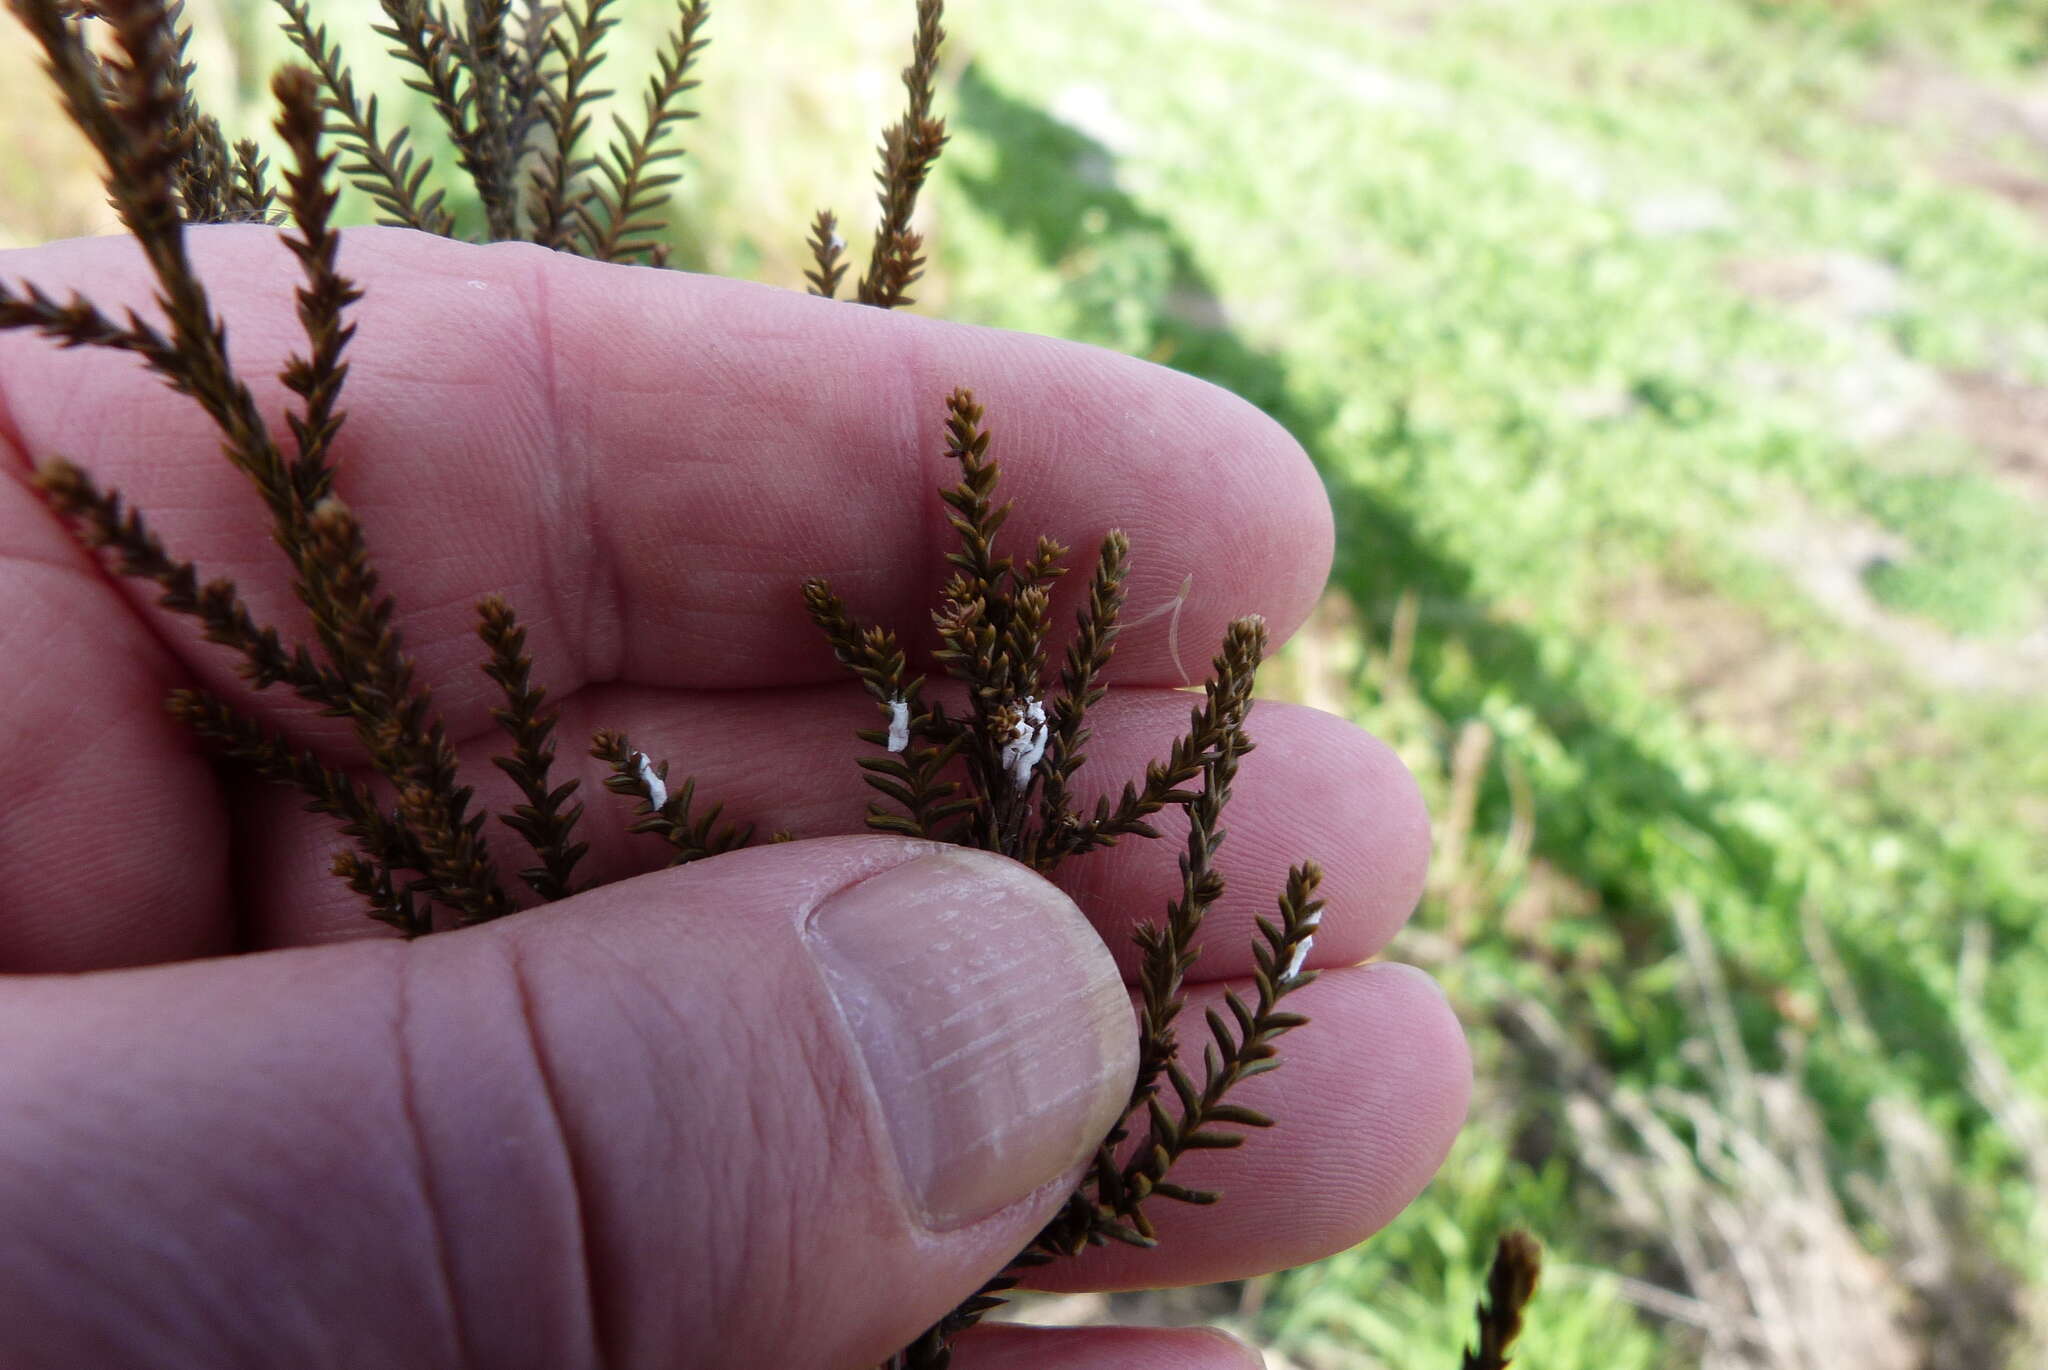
(645, 465)
(1103, 1348)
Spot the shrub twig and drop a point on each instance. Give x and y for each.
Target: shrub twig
(1510, 1284)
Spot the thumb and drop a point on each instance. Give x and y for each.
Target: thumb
(782, 1108)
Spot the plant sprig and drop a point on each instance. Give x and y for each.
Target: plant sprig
(515, 88)
(972, 779)
(909, 150)
(384, 169)
(671, 815)
(1510, 1283)
(616, 223)
(492, 81)
(547, 820)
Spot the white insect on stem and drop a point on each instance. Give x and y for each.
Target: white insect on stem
(1301, 948)
(1024, 748)
(1172, 606)
(657, 792)
(899, 725)
(1294, 962)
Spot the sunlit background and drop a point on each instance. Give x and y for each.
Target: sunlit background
(1679, 371)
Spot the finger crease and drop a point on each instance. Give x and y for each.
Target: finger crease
(430, 1200)
(602, 1348)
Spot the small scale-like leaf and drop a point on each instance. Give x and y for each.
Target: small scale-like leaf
(1235, 1114)
(1202, 1197)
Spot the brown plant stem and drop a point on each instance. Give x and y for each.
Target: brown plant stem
(557, 187)
(1510, 1284)
(384, 846)
(384, 169)
(910, 148)
(615, 222)
(828, 255)
(421, 37)
(547, 820)
(670, 816)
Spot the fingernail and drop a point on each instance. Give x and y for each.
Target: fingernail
(995, 1028)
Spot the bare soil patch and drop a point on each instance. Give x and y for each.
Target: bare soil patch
(1729, 668)
(1964, 121)
(2007, 421)
(1827, 557)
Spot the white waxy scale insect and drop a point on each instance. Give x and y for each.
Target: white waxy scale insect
(1294, 962)
(899, 725)
(657, 792)
(1301, 948)
(1025, 747)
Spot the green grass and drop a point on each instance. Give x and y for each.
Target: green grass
(1407, 1297)
(1619, 330)
(1437, 258)
(1968, 535)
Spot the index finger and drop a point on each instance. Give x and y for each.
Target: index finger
(647, 463)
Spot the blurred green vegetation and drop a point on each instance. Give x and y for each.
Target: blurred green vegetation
(1623, 334)
(1669, 367)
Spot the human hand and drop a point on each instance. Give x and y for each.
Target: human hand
(785, 1107)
